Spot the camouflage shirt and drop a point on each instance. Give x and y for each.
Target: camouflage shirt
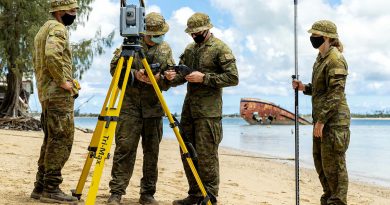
(327, 89)
(52, 60)
(215, 59)
(140, 98)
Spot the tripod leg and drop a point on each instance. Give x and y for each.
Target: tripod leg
(175, 128)
(96, 137)
(108, 132)
(103, 135)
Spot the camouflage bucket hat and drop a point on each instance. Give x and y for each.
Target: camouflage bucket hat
(198, 22)
(58, 5)
(155, 24)
(324, 28)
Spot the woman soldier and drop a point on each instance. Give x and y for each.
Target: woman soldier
(331, 116)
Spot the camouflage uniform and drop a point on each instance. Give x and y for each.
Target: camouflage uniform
(141, 115)
(53, 67)
(330, 108)
(202, 110)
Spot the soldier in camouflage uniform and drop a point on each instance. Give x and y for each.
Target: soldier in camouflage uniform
(54, 74)
(141, 114)
(201, 116)
(331, 116)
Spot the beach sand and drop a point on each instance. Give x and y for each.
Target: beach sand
(245, 178)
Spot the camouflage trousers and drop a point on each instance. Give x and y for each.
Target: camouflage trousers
(330, 164)
(128, 133)
(205, 134)
(58, 127)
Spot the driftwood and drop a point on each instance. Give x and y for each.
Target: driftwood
(85, 130)
(20, 123)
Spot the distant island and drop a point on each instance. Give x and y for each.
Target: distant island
(375, 114)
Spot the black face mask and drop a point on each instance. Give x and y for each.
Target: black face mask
(200, 37)
(317, 41)
(68, 19)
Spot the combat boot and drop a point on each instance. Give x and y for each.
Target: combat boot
(115, 199)
(36, 193)
(147, 199)
(189, 200)
(57, 196)
(324, 199)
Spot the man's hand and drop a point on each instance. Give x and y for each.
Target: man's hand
(318, 127)
(156, 77)
(298, 84)
(170, 74)
(195, 77)
(140, 75)
(67, 86)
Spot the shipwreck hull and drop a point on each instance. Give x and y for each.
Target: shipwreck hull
(261, 112)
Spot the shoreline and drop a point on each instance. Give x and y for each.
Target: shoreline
(245, 179)
(353, 177)
(235, 117)
(371, 118)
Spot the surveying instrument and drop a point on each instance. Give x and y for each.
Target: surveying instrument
(132, 24)
(295, 77)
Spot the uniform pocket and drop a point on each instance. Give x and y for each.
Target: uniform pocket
(60, 104)
(215, 126)
(341, 139)
(59, 117)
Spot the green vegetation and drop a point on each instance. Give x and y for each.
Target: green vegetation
(20, 20)
(231, 115)
(375, 114)
(88, 115)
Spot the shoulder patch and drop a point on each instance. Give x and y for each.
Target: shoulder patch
(226, 57)
(229, 56)
(58, 33)
(57, 29)
(338, 71)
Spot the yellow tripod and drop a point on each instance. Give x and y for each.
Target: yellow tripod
(99, 147)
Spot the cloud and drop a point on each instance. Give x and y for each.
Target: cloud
(176, 37)
(105, 15)
(267, 40)
(153, 8)
(260, 34)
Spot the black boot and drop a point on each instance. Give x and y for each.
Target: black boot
(57, 196)
(324, 199)
(189, 200)
(147, 199)
(36, 193)
(115, 199)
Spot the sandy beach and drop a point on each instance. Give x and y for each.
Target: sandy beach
(245, 178)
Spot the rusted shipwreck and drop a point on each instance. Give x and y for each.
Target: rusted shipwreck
(260, 112)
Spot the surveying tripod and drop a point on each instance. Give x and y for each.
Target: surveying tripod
(99, 147)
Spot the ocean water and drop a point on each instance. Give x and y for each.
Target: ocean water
(368, 155)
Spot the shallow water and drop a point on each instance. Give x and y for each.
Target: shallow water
(368, 155)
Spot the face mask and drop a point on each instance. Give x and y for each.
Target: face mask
(157, 40)
(317, 41)
(68, 19)
(200, 37)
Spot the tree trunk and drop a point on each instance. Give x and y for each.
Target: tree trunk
(10, 105)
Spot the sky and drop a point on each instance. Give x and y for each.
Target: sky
(261, 36)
